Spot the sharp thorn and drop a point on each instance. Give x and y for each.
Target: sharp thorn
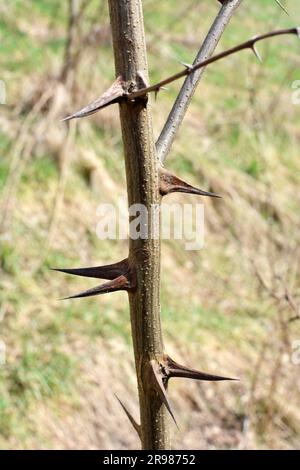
(257, 54)
(293, 319)
(282, 6)
(160, 388)
(110, 271)
(120, 283)
(187, 66)
(113, 95)
(135, 425)
(173, 369)
(169, 183)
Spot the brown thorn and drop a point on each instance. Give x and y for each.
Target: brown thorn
(173, 369)
(113, 95)
(109, 271)
(160, 387)
(135, 425)
(169, 183)
(120, 283)
(125, 282)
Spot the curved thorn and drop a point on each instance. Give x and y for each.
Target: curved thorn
(170, 183)
(111, 96)
(135, 425)
(109, 271)
(173, 369)
(160, 388)
(120, 283)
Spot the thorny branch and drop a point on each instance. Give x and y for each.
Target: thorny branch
(179, 109)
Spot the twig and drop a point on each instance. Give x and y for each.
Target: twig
(176, 116)
(293, 305)
(250, 44)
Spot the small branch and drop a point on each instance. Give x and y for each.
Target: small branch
(179, 109)
(250, 44)
(118, 92)
(133, 422)
(71, 39)
(281, 6)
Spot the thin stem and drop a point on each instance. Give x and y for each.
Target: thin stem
(250, 44)
(143, 191)
(123, 95)
(179, 109)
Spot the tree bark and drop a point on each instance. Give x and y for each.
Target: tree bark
(143, 188)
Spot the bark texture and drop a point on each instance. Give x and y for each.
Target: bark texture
(143, 189)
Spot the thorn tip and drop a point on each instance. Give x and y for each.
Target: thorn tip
(113, 95)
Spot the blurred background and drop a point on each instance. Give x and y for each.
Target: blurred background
(230, 308)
